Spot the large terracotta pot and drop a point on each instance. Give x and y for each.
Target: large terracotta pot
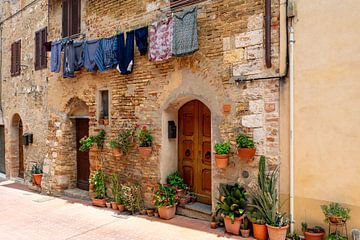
(117, 152)
(260, 231)
(167, 212)
(99, 202)
(222, 160)
(246, 154)
(314, 236)
(37, 179)
(233, 228)
(277, 233)
(145, 151)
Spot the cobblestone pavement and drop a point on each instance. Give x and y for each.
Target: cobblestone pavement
(28, 215)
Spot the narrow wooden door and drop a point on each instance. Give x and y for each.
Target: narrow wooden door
(82, 158)
(2, 149)
(195, 148)
(21, 150)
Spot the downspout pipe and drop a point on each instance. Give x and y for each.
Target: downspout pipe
(268, 33)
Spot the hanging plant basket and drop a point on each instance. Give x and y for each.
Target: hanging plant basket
(246, 154)
(145, 151)
(222, 160)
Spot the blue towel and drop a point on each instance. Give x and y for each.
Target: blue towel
(55, 56)
(141, 37)
(69, 59)
(90, 50)
(79, 55)
(125, 53)
(105, 56)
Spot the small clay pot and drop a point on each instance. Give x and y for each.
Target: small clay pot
(121, 207)
(277, 233)
(180, 192)
(37, 178)
(143, 212)
(106, 121)
(335, 219)
(246, 154)
(150, 212)
(314, 236)
(108, 204)
(167, 212)
(114, 206)
(99, 202)
(245, 233)
(156, 214)
(222, 160)
(145, 151)
(213, 225)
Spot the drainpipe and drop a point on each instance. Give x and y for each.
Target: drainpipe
(268, 33)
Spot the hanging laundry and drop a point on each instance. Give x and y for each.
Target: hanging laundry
(185, 37)
(125, 53)
(90, 49)
(141, 37)
(160, 35)
(105, 56)
(69, 59)
(79, 55)
(55, 56)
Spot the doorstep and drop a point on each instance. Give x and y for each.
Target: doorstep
(77, 194)
(195, 210)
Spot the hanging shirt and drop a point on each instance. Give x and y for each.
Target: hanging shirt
(79, 55)
(185, 37)
(90, 49)
(69, 59)
(141, 37)
(125, 52)
(105, 56)
(55, 56)
(160, 35)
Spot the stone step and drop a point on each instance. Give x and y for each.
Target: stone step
(77, 194)
(195, 210)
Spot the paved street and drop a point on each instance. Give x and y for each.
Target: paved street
(28, 215)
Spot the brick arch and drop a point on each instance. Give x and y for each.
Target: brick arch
(76, 107)
(16, 153)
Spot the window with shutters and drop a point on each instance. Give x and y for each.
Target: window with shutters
(183, 3)
(40, 49)
(15, 58)
(71, 12)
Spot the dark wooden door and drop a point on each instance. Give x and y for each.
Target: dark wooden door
(2, 149)
(21, 150)
(195, 148)
(82, 158)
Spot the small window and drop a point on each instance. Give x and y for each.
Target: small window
(104, 107)
(40, 49)
(183, 3)
(15, 58)
(71, 17)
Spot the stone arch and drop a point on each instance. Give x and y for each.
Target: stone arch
(77, 108)
(16, 160)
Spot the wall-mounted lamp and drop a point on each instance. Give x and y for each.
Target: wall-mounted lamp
(171, 129)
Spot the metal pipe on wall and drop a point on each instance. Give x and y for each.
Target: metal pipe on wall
(268, 33)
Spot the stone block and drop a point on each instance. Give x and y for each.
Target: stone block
(249, 38)
(256, 106)
(252, 121)
(233, 56)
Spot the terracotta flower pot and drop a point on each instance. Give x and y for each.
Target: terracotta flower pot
(106, 121)
(314, 236)
(143, 212)
(167, 212)
(108, 204)
(213, 225)
(335, 219)
(99, 202)
(91, 186)
(180, 192)
(260, 231)
(246, 154)
(114, 206)
(156, 214)
(150, 212)
(222, 160)
(277, 233)
(37, 178)
(145, 151)
(245, 233)
(233, 228)
(117, 152)
(121, 207)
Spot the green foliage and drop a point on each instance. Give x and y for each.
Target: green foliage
(244, 141)
(36, 169)
(233, 201)
(116, 189)
(245, 224)
(255, 217)
(293, 236)
(98, 178)
(87, 142)
(123, 140)
(164, 195)
(222, 148)
(316, 229)
(144, 137)
(335, 210)
(265, 198)
(175, 180)
(132, 197)
(336, 236)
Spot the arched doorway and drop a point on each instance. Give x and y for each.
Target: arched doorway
(194, 156)
(17, 145)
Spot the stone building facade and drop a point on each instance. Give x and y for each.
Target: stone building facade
(231, 47)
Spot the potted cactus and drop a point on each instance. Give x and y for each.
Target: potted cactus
(246, 147)
(258, 225)
(37, 174)
(244, 228)
(222, 154)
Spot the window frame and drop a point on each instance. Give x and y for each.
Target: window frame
(183, 3)
(67, 22)
(40, 49)
(15, 68)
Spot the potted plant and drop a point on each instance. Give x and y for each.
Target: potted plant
(246, 147)
(116, 190)
(98, 179)
(193, 197)
(335, 213)
(122, 142)
(244, 228)
(222, 154)
(315, 233)
(175, 180)
(336, 236)
(265, 200)
(145, 141)
(132, 196)
(258, 225)
(165, 199)
(94, 142)
(213, 222)
(231, 206)
(103, 119)
(37, 174)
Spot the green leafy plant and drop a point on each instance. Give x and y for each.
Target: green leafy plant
(98, 179)
(116, 189)
(232, 202)
(245, 224)
(164, 195)
(87, 142)
(255, 217)
(132, 197)
(36, 169)
(222, 148)
(293, 236)
(336, 236)
(335, 210)
(244, 141)
(123, 140)
(315, 229)
(144, 137)
(265, 197)
(175, 180)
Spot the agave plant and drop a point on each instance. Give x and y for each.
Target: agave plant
(232, 202)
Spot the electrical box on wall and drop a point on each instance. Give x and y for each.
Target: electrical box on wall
(27, 139)
(171, 130)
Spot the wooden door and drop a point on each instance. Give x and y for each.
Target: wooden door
(82, 158)
(21, 150)
(195, 148)
(2, 149)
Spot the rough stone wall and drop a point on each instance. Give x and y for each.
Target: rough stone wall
(25, 94)
(231, 40)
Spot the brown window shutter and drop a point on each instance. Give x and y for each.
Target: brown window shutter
(18, 57)
(75, 16)
(37, 50)
(65, 18)
(43, 56)
(12, 60)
